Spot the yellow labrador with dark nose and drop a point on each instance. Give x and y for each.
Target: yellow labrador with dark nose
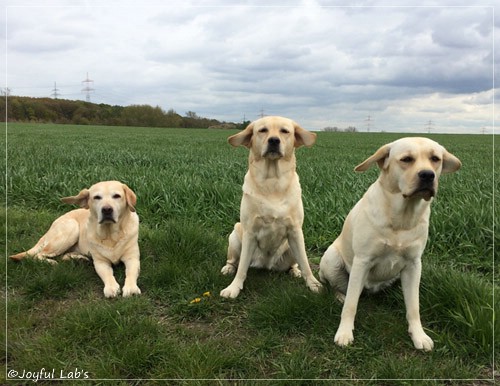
(269, 234)
(384, 235)
(106, 228)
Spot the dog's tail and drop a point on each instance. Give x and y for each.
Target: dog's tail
(39, 246)
(19, 256)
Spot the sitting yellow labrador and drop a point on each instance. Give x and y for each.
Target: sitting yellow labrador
(269, 234)
(107, 229)
(384, 235)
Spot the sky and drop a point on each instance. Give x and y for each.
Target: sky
(378, 66)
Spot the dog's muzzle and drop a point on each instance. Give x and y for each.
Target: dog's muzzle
(273, 149)
(107, 215)
(426, 188)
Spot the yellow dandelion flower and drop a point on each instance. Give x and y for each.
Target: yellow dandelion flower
(207, 294)
(195, 300)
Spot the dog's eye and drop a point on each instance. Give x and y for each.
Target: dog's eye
(263, 130)
(284, 131)
(97, 197)
(116, 196)
(435, 158)
(407, 159)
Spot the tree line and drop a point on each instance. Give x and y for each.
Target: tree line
(64, 111)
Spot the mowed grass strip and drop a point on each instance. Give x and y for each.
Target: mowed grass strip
(188, 184)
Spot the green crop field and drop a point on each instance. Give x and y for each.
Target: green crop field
(188, 184)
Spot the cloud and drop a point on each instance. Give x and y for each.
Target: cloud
(325, 65)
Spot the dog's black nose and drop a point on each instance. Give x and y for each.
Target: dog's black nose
(426, 175)
(273, 141)
(107, 210)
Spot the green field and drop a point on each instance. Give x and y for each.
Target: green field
(188, 184)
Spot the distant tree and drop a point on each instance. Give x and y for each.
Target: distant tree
(331, 129)
(172, 119)
(26, 109)
(351, 129)
(243, 125)
(143, 115)
(192, 115)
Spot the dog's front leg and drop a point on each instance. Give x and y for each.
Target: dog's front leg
(105, 272)
(357, 277)
(132, 268)
(410, 281)
(248, 247)
(298, 249)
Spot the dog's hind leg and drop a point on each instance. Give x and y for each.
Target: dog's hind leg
(248, 248)
(332, 270)
(233, 251)
(61, 236)
(74, 256)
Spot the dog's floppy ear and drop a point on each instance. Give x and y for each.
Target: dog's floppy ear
(303, 137)
(244, 137)
(130, 197)
(450, 162)
(379, 157)
(82, 199)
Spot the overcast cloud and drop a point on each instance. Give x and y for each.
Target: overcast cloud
(321, 65)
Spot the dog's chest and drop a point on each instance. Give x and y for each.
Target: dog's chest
(271, 233)
(271, 212)
(109, 247)
(392, 256)
(108, 250)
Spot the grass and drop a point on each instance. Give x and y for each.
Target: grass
(188, 184)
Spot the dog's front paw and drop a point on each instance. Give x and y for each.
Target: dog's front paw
(422, 341)
(344, 337)
(228, 269)
(129, 290)
(111, 290)
(314, 285)
(230, 292)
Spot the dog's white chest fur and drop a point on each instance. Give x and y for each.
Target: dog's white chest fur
(269, 223)
(271, 234)
(388, 265)
(109, 243)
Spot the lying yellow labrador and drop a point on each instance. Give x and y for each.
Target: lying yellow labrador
(269, 234)
(107, 229)
(385, 233)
